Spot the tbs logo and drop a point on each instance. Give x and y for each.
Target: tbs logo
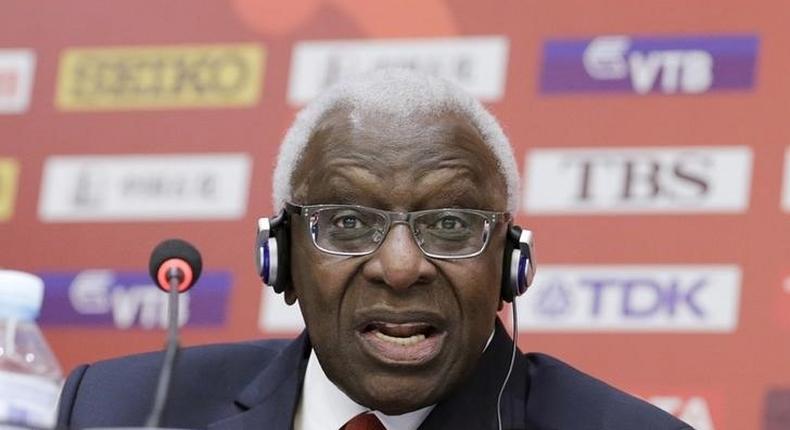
(642, 65)
(638, 180)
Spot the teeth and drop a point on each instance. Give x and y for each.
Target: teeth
(403, 341)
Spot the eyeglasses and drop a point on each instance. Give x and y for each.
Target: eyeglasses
(353, 230)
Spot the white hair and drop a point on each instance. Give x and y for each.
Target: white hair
(400, 93)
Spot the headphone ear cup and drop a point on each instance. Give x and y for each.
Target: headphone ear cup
(265, 258)
(281, 234)
(518, 265)
(272, 252)
(506, 291)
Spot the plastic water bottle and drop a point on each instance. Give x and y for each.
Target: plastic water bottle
(30, 377)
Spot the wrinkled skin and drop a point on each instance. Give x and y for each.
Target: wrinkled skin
(374, 160)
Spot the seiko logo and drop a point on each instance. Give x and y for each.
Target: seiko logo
(478, 64)
(668, 65)
(16, 79)
(609, 180)
(197, 186)
(633, 298)
(160, 77)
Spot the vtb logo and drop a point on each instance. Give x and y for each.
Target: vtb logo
(126, 300)
(671, 70)
(642, 65)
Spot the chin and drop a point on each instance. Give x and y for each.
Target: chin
(396, 403)
(398, 395)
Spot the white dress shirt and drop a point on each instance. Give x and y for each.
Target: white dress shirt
(323, 406)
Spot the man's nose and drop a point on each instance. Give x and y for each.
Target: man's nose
(399, 263)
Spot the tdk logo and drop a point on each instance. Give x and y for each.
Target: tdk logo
(633, 298)
(643, 65)
(126, 300)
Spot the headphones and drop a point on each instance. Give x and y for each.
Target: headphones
(272, 255)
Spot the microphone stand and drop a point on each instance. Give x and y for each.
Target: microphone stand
(174, 277)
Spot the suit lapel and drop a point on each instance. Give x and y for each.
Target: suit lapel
(474, 404)
(269, 401)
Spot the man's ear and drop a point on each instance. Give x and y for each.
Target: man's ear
(290, 295)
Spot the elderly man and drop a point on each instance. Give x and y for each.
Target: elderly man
(395, 237)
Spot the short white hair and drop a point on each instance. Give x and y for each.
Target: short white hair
(401, 93)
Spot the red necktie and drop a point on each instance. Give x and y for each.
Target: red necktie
(365, 421)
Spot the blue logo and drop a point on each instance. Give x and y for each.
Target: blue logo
(777, 409)
(643, 65)
(554, 299)
(125, 300)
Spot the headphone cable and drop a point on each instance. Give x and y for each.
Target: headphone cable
(510, 368)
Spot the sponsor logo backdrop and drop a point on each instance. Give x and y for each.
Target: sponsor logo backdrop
(9, 174)
(653, 143)
(16, 79)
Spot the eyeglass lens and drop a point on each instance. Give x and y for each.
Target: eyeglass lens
(444, 232)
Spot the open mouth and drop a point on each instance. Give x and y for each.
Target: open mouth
(402, 343)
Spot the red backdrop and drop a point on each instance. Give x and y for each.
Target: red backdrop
(180, 77)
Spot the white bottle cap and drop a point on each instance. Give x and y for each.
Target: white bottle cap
(21, 294)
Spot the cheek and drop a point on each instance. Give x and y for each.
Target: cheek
(320, 282)
(476, 285)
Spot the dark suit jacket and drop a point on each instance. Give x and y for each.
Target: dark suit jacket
(256, 385)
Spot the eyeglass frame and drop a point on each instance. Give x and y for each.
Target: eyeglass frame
(492, 218)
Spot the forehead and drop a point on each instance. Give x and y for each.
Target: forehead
(398, 161)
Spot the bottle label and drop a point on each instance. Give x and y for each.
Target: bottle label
(29, 400)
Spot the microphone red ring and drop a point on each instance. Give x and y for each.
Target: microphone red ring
(161, 274)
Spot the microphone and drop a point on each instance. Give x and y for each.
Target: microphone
(175, 266)
(175, 258)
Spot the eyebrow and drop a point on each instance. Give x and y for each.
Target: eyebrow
(463, 194)
(341, 188)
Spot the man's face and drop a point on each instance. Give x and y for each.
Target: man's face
(396, 330)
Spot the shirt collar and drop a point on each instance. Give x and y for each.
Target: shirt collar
(324, 406)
